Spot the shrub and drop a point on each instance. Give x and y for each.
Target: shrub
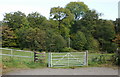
(66, 49)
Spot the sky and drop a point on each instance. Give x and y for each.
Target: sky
(109, 8)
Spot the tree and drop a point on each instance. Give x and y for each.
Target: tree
(54, 41)
(15, 20)
(8, 37)
(62, 15)
(92, 43)
(105, 33)
(78, 40)
(32, 38)
(77, 8)
(64, 18)
(35, 19)
(117, 25)
(105, 30)
(117, 39)
(87, 23)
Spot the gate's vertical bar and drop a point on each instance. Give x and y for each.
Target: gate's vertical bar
(68, 60)
(87, 57)
(49, 59)
(84, 58)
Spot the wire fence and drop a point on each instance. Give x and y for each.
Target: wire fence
(18, 55)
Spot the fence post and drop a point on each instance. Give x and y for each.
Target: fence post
(34, 56)
(11, 53)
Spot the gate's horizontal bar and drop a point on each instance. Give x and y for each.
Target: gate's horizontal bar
(66, 65)
(67, 52)
(66, 56)
(67, 59)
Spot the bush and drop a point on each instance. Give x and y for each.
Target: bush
(66, 49)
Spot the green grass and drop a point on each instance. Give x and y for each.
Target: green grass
(98, 59)
(22, 62)
(20, 53)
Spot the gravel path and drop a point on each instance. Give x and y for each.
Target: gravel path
(76, 71)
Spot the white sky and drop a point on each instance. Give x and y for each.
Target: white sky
(108, 7)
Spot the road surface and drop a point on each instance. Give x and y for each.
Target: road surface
(60, 71)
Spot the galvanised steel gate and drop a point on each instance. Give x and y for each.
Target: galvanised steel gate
(68, 59)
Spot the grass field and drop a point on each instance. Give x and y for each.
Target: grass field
(19, 60)
(94, 59)
(18, 53)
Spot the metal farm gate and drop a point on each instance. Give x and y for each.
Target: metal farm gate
(68, 59)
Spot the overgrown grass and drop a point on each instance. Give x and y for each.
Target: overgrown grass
(100, 59)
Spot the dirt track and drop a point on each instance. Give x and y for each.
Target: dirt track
(76, 71)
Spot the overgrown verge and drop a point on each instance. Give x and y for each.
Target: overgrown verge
(13, 64)
(103, 59)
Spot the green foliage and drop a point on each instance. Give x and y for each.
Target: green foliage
(75, 21)
(105, 33)
(54, 42)
(77, 8)
(32, 38)
(35, 19)
(78, 40)
(66, 49)
(64, 18)
(96, 60)
(91, 44)
(8, 37)
(115, 59)
(15, 20)
(105, 30)
(108, 46)
(87, 24)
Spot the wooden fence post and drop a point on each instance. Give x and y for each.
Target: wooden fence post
(39, 57)
(34, 56)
